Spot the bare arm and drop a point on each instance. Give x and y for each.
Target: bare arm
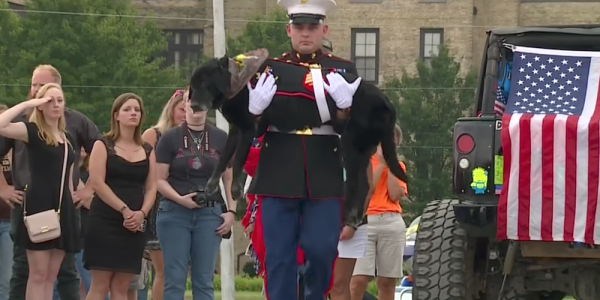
(149, 136)
(395, 189)
(227, 182)
(71, 189)
(98, 159)
(150, 191)
(164, 188)
(17, 131)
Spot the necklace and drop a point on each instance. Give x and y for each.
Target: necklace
(136, 150)
(197, 140)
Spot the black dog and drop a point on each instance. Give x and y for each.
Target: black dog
(371, 122)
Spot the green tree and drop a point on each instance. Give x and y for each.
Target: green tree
(99, 57)
(263, 32)
(10, 29)
(428, 104)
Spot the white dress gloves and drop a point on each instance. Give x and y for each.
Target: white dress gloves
(262, 94)
(340, 90)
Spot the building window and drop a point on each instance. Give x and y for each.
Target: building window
(431, 39)
(185, 46)
(365, 53)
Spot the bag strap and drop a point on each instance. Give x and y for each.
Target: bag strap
(62, 181)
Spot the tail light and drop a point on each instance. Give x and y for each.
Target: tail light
(465, 144)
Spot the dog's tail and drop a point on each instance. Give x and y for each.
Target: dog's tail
(388, 148)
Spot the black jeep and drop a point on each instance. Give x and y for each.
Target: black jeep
(457, 255)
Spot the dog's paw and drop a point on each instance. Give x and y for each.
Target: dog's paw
(212, 186)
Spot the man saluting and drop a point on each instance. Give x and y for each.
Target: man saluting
(299, 174)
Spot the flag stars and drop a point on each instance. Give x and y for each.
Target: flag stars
(551, 85)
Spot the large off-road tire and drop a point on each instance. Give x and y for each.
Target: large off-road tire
(443, 257)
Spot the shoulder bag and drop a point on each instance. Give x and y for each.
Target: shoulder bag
(45, 226)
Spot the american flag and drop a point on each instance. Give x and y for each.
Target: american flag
(500, 103)
(551, 143)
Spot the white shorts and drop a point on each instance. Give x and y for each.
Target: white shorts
(356, 247)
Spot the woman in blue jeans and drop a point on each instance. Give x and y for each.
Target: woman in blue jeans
(190, 224)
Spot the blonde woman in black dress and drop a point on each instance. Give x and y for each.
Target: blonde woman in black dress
(122, 173)
(45, 139)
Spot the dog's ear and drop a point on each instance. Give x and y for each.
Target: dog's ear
(224, 62)
(222, 81)
(245, 68)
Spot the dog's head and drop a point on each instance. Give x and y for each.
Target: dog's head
(222, 78)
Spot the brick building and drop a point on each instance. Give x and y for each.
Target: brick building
(381, 36)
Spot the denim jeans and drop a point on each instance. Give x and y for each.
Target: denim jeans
(6, 259)
(188, 234)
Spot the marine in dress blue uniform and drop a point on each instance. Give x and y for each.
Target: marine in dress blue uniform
(300, 177)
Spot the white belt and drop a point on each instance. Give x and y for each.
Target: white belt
(323, 130)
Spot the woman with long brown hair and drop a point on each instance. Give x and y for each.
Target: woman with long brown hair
(122, 173)
(50, 188)
(173, 114)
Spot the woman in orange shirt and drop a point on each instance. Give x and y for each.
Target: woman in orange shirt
(386, 232)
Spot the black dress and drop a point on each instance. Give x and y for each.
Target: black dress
(108, 245)
(43, 191)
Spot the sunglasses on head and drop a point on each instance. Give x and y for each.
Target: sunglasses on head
(178, 93)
